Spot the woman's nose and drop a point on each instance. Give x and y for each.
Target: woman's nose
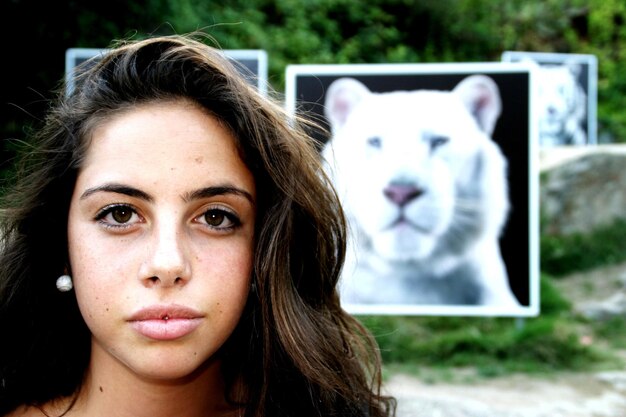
(167, 260)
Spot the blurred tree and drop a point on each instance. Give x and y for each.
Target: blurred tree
(315, 31)
(607, 40)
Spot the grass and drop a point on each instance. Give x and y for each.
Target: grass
(492, 346)
(561, 255)
(612, 331)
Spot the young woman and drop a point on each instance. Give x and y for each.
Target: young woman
(171, 247)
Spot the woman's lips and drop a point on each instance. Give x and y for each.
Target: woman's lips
(165, 322)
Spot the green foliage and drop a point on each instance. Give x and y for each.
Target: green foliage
(347, 31)
(380, 31)
(613, 330)
(552, 304)
(579, 252)
(607, 36)
(325, 31)
(492, 345)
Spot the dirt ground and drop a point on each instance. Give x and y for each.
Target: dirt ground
(561, 395)
(566, 395)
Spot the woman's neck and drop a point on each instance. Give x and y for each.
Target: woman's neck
(111, 389)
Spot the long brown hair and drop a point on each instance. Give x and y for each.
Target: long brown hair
(295, 351)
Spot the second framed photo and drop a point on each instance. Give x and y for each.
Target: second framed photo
(435, 168)
(566, 96)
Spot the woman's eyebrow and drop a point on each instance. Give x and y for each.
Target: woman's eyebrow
(218, 190)
(119, 189)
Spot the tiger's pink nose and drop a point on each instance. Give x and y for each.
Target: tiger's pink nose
(401, 194)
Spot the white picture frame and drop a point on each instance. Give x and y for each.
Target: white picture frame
(583, 70)
(516, 134)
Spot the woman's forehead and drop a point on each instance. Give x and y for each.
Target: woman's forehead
(163, 140)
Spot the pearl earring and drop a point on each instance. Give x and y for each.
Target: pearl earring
(64, 283)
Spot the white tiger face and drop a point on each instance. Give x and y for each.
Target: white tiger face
(561, 99)
(411, 167)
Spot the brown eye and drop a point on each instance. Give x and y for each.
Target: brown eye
(214, 218)
(118, 216)
(121, 214)
(219, 219)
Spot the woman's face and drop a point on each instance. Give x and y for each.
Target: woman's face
(161, 230)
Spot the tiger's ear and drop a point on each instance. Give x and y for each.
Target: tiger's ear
(481, 96)
(574, 67)
(341, 98)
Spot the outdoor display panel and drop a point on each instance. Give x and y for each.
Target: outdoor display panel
(436, 167)
(566, 96)
(252, 63)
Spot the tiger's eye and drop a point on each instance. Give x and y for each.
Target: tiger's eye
(121, 214)
(214, 218)
(375, 142)
(438, 141)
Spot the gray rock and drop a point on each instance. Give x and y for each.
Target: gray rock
(583, 191)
